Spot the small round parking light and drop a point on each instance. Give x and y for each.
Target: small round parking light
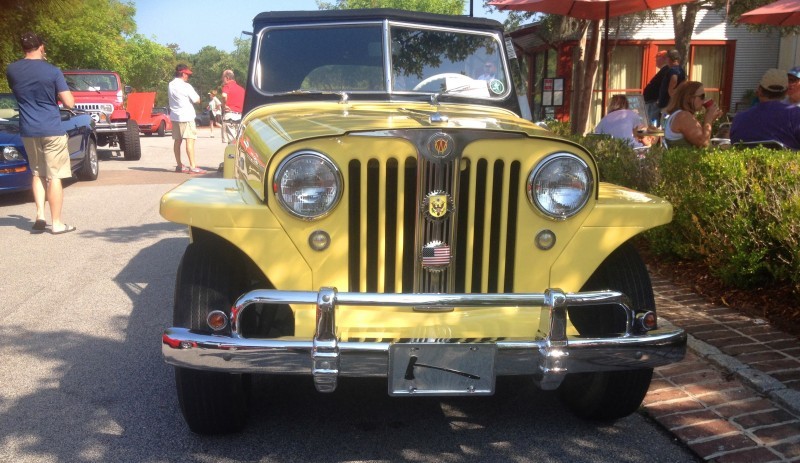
(319, 240)
(217, 320)
(545, 240)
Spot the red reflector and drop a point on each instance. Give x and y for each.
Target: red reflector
(173, 343)
(649, 321)
(217, 320)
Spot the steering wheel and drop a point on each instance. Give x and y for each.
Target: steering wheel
(441, 76)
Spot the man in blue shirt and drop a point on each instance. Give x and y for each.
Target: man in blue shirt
(771, 118)
(38, 86)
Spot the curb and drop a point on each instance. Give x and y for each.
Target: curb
(761, 382)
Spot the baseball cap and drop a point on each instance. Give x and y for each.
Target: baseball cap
(183, 69)
(674, 55)
(775, 80)
(795, 71)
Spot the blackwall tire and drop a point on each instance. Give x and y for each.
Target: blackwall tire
(91, 166)
(605, 396)
(608, 396)
(131, 148)
(211, 402)
(162, 129)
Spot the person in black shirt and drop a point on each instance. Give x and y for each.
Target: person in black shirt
(653, 88)
(675, 75)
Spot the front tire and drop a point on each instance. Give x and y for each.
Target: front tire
(91, 167)
(611, 395)
(162, 129)
(129, 142)
(209, 279)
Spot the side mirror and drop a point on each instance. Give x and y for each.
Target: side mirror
(128, 89)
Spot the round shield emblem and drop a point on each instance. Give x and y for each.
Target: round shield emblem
(441, 145)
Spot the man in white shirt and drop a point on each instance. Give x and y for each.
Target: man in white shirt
(182, 98)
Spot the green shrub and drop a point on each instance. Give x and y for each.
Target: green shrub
(737, 211)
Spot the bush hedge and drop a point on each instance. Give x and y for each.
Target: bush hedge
(736, 210)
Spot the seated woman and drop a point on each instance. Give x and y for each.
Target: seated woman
(621, 122)
(681, 127)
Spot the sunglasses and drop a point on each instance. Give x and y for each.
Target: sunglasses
(793, 80)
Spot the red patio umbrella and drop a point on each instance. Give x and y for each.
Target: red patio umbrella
(589, 9)
(780, 13)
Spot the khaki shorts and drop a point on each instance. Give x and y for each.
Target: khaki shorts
(48, 156)
(184, 130)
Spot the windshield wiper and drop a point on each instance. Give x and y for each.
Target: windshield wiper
(343, 96)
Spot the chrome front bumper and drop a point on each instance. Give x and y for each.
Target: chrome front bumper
(326, 358)
(111, 127)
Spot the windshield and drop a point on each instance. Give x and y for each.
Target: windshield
(355, 58)
(91, 82)
(9, 110)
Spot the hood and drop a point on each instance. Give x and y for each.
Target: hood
(279, 124)
(9, 134)
(140, 105)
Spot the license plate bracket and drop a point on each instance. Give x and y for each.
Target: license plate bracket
(439, 369)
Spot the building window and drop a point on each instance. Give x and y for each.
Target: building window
(708, 66)
(624, 77)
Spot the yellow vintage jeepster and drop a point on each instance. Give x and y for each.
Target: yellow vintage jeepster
(388, 211)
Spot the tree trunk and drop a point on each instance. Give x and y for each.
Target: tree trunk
(683, 23)
(586, 72)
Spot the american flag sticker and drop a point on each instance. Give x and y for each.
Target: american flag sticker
(434, 256)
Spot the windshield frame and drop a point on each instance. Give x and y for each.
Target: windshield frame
(387, 78)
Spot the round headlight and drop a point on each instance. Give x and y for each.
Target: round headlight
(11, 154)
(560, 185)
(307, 184)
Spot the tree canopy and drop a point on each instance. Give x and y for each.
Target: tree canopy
(101, 34)
(453, 7)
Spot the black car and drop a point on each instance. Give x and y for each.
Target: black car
(203, 119)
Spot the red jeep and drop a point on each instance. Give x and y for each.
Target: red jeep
(101, 94)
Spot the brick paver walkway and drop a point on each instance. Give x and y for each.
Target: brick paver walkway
(736, 396)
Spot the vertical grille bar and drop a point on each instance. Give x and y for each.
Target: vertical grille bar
(362, 284)
(470, 188)
(381, 257)
(503, 238)
(401, 226)
(487, 225)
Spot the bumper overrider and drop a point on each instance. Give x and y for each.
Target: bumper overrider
(412, 368)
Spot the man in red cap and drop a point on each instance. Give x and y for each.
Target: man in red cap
(182, 98)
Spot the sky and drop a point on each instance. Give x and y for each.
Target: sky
(193, 24)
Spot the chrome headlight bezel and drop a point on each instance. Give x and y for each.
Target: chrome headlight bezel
(563, 174)
(331, 178)
(11, 153)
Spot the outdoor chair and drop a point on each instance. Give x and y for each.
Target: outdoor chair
(772, 144)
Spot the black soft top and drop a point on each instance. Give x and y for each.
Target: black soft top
(270, 18)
